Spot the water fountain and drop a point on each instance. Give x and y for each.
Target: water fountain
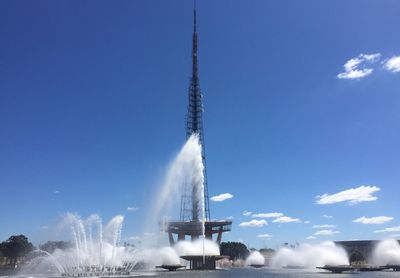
(310, 256)
(95, 251)
(387, 253)
(188, 166)
(255, 259)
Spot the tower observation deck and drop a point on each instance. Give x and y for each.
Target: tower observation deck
(190, 222)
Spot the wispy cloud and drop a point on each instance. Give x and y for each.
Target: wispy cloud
(221, 197)
(44, 227)
(148, 234)
(355, 68)
(268, 215)
(254, 223)
(373, 220)
(247, 213)
(327, 216)
(307, 222)
(353, 196)
(324, 226)
(265, 236)
(279, 217)
(395, 229)
(132, 209)
(326, 233)
(286, 219)
(311, 237)
(134, 238)
(56, 192)
(392, 64)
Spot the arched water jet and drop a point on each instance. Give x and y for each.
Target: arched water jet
(83, 259)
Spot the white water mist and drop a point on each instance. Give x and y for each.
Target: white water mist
(386, 252)
(310, 256)
(187, 166)
(255, 258)
(92, 246)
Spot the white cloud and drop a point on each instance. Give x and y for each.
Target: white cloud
(373, 220)
(326, 233)
(268, 215)
(360, 194)
(221, 197)
(311, 237)
(307, 222)
(286, 219)
(134, 238)
(44, 227)
(352, 68)
(132, 209)
(355, 73)
(230, 218)
(324, 226)
(265, 236)
(254, 223)
(389, 230)
(247, 213)
(327, 216)
(393, 64)
(148, 234)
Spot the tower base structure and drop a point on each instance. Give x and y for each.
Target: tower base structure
(203, 263)
(194, 230)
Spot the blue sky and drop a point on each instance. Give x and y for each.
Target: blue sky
(93, 98)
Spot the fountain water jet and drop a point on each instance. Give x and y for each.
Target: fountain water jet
(310, 256)
(255, 259)
(387, 252)
(91, 255)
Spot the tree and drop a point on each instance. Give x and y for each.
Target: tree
(51, 246)
(235, 250)
(16, 246)
(356, 256)
(267, 250)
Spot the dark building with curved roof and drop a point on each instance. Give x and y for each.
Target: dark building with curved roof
(363, 247)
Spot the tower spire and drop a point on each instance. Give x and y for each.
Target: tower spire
(190, 223)
(194, 125)
(194, 17)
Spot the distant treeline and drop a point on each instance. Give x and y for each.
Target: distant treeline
(18, 246)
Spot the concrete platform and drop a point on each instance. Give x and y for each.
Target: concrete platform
(198, 262)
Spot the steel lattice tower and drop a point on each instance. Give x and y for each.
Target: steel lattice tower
(194, 125)
(190, 223)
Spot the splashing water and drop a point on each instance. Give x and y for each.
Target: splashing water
(255, 258)
(386, 252)
(95, 250)
(188, 248)
(85, 258)
(310, 256)
(188, 165)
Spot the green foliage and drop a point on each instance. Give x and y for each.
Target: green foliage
(235, 250)
(356, 256)
(267, 250)
(51, 246)
(16, 246)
